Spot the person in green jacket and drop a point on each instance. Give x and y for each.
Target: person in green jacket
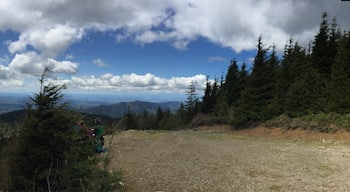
(99, 136)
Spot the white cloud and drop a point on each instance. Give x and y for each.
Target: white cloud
(99, 62)
(48, 28)
(62, 66)
(135, 83)
(4, 72)
(50, 41)
(29, 63)
(11, 84)
(9, 79)
(33, 64)
(51, 26)
(69, 57)
(4, 59)
(217, 59)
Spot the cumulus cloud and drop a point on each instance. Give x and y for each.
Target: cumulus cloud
(234, 24)
(9, 78)
(5, 72)
(50, 41)
(67, 67)
(134, 83)
(48, 28)
(33, 64)
(11, 83)
(99, 62)
(29, 63)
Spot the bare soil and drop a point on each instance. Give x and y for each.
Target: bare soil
(218, 159)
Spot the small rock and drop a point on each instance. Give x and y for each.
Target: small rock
(121, 184)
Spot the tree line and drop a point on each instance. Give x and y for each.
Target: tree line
(306, 80)
(303, 80)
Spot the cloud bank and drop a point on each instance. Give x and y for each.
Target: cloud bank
(48, 28)
(134, 83)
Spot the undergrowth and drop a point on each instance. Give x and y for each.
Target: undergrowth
(322, 122)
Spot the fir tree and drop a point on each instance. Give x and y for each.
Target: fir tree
(206, 105)
(191, 104)
(339, 92)
(321, 59)
(303, 97)
(272, 67)
(258, 92)
(232, 85)
(294, 58)
(49, 154)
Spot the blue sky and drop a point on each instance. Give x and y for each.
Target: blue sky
(101, 53)
(150, 48)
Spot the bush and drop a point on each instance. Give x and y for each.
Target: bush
(207, 120)
(49, 154)
(322, 122)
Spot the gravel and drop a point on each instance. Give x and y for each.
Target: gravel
(210, 161)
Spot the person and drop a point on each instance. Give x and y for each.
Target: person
(99, 136)
(81, 130)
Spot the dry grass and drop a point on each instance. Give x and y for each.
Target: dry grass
(259, 159)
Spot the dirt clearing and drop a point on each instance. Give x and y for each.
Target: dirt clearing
(209, 161)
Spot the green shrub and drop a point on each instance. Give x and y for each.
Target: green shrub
(49, 154)
(322, 122)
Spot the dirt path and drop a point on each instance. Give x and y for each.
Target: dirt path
(206, 161)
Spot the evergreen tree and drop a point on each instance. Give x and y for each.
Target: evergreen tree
(232, 85)
(259, 90)
(221, 108)
(304, 95)
(242, 78)
(339, 92)
(287, 73)
(130, 120)
(321, 59)
(181, 115)
(334, 39)
(215, 91)
(169, 121)
(206, 105)
(160, 114)
(295, 66)
(272, 67)
(324, 52)
(146, 121)
(48, 155)
(191, 104)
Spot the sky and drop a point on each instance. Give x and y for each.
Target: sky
(154, 48)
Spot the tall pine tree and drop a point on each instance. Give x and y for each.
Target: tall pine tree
(259, 90)
(231, 88)
(49, 154)
(339, 92)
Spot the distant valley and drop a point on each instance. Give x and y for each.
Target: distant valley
(12, 102)
(120, 109)
(91, 104)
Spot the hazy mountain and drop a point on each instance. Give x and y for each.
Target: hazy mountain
(13, 116)
(12, 102)
(113, 105)
(118, 110)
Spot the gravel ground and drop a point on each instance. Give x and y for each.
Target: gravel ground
(210, 161)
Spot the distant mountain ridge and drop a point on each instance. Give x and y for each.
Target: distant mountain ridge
(118, 110)
(12, 102)
(112, 105)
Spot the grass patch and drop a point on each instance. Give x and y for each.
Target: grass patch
(322, 122)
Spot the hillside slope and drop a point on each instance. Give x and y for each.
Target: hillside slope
(120, 109)
(207, 161)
